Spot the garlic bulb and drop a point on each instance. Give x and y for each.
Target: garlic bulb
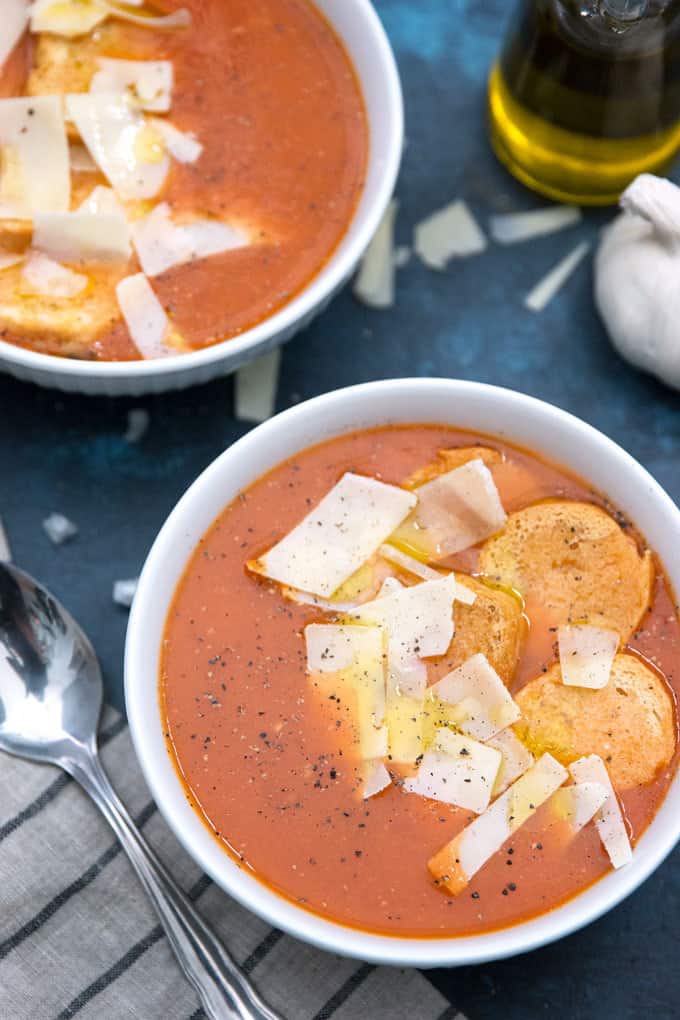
(637, 277)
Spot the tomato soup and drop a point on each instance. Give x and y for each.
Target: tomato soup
(268, 754)
(270, 95)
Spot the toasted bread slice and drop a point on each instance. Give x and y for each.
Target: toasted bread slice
(630, 723)
(573, 561)
(493, 624)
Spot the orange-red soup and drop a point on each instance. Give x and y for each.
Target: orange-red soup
(270, 92)
(271, 764)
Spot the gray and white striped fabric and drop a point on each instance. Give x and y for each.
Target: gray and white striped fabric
(78, 938)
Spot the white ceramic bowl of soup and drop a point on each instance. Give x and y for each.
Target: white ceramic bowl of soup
(358, 26)
(514, 417)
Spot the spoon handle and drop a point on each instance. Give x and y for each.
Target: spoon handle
(224, 990)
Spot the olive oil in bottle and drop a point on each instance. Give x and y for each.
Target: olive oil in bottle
(586, 95)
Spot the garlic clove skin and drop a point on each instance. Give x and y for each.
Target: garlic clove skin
(637, 278)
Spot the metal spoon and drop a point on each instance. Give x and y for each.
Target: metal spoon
(50, 701)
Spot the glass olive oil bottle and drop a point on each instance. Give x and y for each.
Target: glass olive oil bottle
(586, 95)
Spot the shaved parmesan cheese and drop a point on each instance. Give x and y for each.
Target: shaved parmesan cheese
(182, 145)
(546, 289)
(404, 720)
(102, 201)
(457, 770)
(128, 152)
(303, 598)
(80, 159)
(483, 703)
(376, 778)
(124, 592)
(374, 284)
(516, 759)
(450, 232)
(161, 244)
(14, 22)
(82, 236)
(71, 18)
(148, 83)
(59, 528)
(459, 860)
(9, 259)
(255, 387)
(418, 569)
(455, 511)
(355, 654)
(44, 276)
(577, 804)
(145, 317)
(176, 19)
(68, 18)
(137, 424)
(419, 623)
(34, 160)
(510, 228)
(337, 536)
(5, 551)
(586, 655)
(608, 820)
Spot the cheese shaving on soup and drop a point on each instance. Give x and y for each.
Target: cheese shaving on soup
(483, 706)
(34, 157)
(457, 770)
(609, 820)
(587, 655)
(345, 528)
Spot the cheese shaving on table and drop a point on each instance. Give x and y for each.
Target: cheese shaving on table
(145, 317)
(586, 655)
(335, 538)
(376, 778)
(418, 621)
(517, 758)
(45, 276)
(482, 702)
(124, 592)
(457, 770)
(448, 233)
(255, 387)
(14, 22)
(374, 283)
(5, 551)
(545, 290)
(355, 656)
(511, 228)
(456, 510)
(71, 18)
(456, 863)
(162, 244)
(34, 156)
(609, 819)
(59, 529)
(577, 804)
(138, 419)
(413, 566)
(82, 236)
(182, 145)
(128, 151)
(148, 83)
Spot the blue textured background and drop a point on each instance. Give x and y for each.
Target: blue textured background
(67, 453)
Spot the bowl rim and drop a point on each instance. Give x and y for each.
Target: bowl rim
(653, 846)
(322, 285)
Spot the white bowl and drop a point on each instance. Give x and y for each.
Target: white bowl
(512, 416)
(359, 27)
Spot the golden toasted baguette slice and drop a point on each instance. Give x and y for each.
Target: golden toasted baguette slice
(493, 624)
(573, 561)
(449, 459)
(630, 723)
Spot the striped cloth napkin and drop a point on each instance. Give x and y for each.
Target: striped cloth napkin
(78, 938)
